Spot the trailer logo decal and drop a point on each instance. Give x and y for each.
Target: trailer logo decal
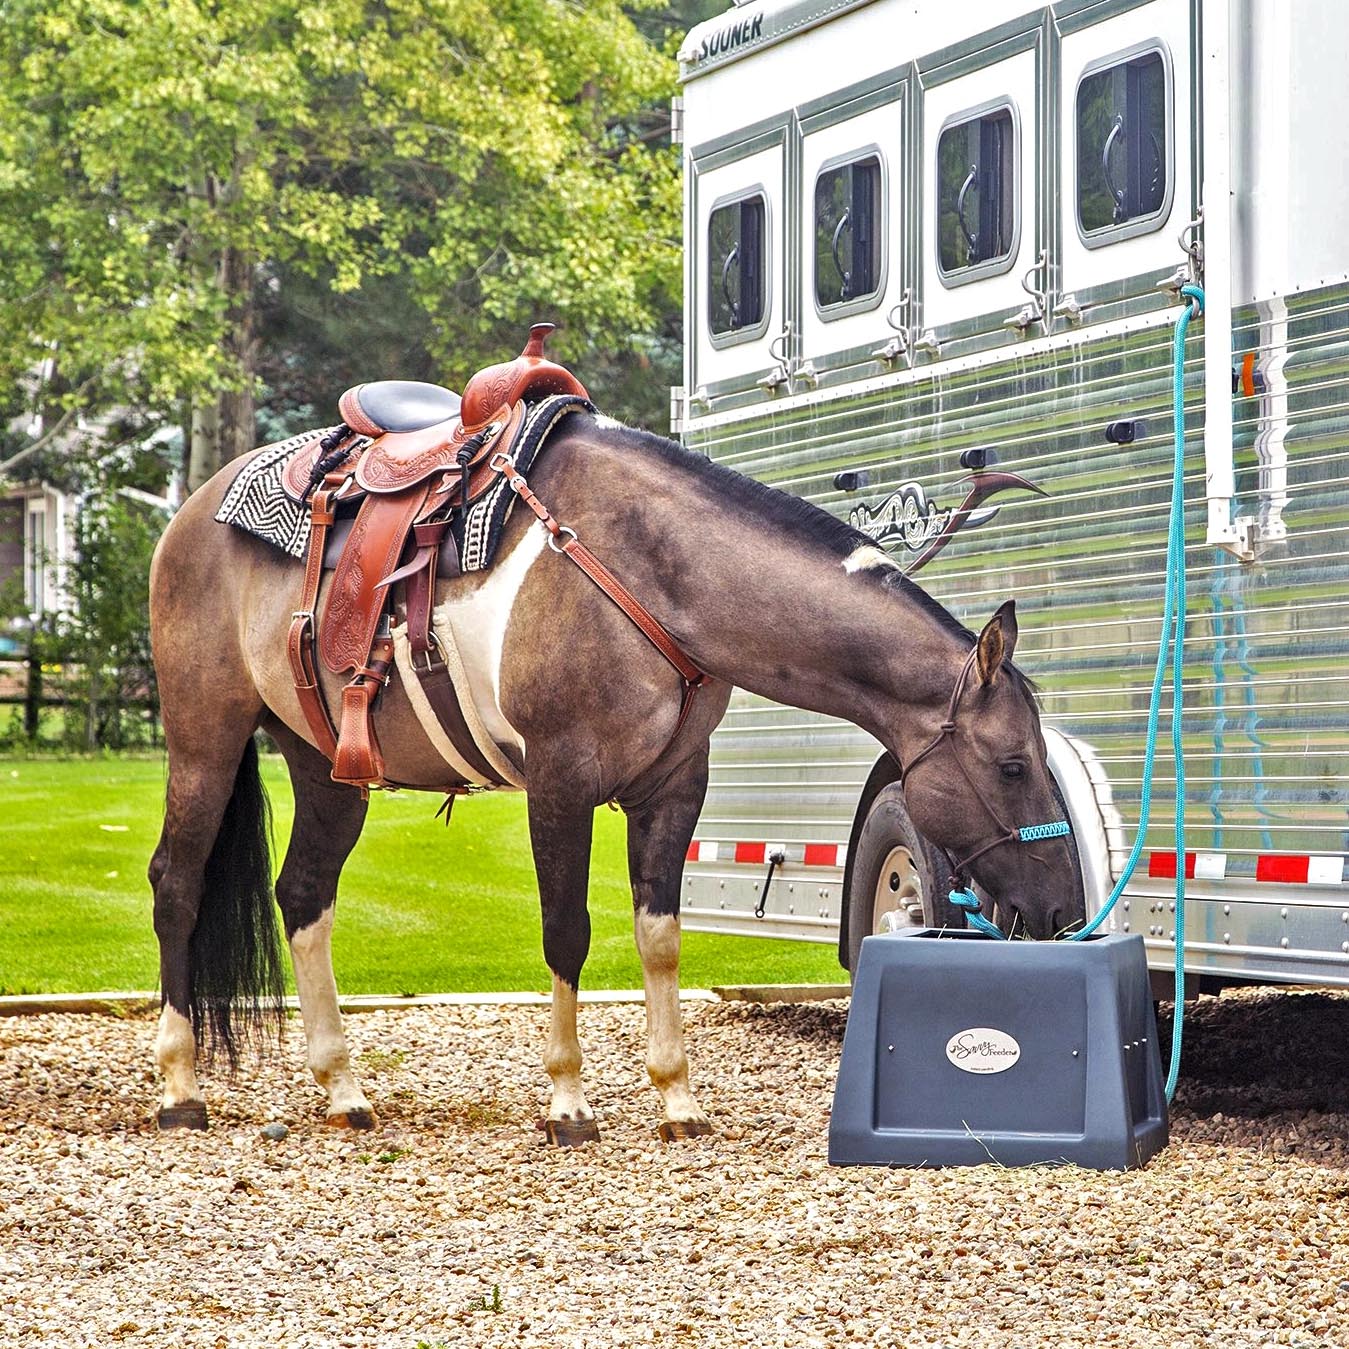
(728, 39)
(907, 517)
(982, 1049)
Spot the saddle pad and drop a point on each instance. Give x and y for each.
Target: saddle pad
(258, 504)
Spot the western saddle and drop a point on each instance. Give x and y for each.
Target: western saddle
(406, 457)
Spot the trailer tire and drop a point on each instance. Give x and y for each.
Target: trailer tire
(895, 870)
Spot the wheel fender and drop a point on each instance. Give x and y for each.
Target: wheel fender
(1085, 789)
(883, 772)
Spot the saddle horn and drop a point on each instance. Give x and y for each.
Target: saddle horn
(529, 376)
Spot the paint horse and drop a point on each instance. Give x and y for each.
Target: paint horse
(757, 588)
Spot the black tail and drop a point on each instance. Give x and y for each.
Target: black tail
(237, 983)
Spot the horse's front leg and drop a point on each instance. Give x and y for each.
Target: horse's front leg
(560, 835)
(659, 831)
(328, 821)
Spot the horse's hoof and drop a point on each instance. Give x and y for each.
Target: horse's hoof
(189, 1115)
(672, 1130)
(571, 1133)
(352, 1119)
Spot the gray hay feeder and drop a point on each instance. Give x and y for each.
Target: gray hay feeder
(961, 1049)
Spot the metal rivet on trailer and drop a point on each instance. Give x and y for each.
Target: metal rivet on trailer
(1173, 935)
(791, 908)
(1126, 905)
(1076, 1052)
(1227, 938)
(1344, 946)
(1126, 927)
(889, 1049)
(790, 889)
(1344, 917)
(1173, 906)
(1283, 913)
(1227, 910)
(1283, 941)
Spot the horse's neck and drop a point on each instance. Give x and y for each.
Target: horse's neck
(775, 611)
(816, 636)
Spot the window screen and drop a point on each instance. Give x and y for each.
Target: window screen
(976, 191)
(847, 232)
(1122, 168)
(735, 283)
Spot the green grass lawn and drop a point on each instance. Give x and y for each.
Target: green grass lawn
(422, 908)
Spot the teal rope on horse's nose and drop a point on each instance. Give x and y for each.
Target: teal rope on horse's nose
(966, 899)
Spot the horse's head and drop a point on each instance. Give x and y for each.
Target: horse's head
(982, 777)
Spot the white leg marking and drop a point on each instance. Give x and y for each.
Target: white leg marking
(562, 1058)
(666, 1062)
(478, 622)
(867, 556)
(176, 1054)
(329, 1061)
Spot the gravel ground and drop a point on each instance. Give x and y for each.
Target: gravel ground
(452, 1224)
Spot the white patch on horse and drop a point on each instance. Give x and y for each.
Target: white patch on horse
(176, 1054)
(477, 623)
(607, 423)
(562, 1057)
(421, 705)
(866, 557)
(329, 1059)
(667, 1064)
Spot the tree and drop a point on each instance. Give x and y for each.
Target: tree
(173, 172)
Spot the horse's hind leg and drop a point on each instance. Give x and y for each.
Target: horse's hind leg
(560, 837)
(328, 821)
(659, 830)
(208, 775)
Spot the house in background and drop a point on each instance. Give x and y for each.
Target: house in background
(36, 539)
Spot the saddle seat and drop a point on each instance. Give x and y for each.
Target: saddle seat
(397, 405)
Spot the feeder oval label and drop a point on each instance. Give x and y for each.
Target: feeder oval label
(982, 1049)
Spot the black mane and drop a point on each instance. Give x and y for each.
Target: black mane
(802, 519)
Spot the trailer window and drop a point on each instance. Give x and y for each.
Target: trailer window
(976, 195)
(735, 282)
(1123, 170)
(847, 232)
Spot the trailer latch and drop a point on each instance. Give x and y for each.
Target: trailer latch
(776, 857)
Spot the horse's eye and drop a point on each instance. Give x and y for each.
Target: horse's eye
(1012, 770)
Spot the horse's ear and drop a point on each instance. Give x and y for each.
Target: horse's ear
(997, 642)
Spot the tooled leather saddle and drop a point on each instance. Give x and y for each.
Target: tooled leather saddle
(405, 462)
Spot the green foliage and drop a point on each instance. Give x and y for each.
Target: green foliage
(108, 633)
(421, 908)
(169, 171)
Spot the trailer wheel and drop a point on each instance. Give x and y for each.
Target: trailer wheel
(893, 875)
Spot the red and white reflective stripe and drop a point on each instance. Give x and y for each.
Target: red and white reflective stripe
(757, 854)
(1290, 870)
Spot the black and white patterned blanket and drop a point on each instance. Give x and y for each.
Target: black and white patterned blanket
(257, 503)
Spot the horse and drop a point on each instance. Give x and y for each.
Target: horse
(760, 589)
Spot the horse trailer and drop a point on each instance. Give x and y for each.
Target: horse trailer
(934, 254)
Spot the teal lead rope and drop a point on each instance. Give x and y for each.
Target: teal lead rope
(1173, 630)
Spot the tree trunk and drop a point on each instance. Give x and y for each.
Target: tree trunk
(224, 423)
